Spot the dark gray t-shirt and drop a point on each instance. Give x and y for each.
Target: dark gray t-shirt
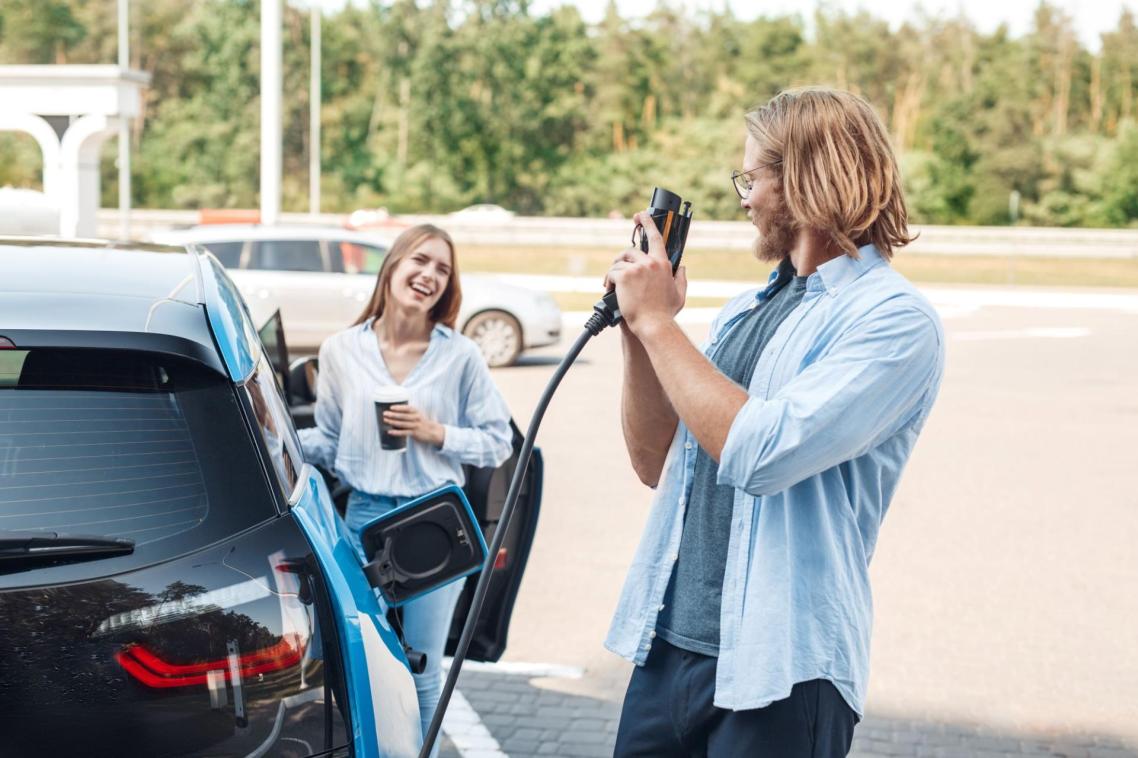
(690, 618)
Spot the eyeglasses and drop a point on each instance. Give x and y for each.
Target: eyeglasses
(742, 181)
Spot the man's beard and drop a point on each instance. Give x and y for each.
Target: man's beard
(781, 234)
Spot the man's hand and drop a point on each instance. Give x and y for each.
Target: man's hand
(645, 289)
(406, 421)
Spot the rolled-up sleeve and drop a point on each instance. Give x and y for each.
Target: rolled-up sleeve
(482, 437)
(869, 384)
(320, 441)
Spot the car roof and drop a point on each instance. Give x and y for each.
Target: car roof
(97, 293)
(239, 232)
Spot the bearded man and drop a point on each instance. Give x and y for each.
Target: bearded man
(775, 450)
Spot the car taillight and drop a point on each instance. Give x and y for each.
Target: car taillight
(6, 344)
(501, 559)
(152, 671)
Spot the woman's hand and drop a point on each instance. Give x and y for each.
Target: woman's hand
(407, 421)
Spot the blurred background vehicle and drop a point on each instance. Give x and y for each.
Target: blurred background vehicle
(320, 278)
(483, 212)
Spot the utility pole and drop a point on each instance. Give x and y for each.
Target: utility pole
(124, 126)
(271, 17)
(314, 114)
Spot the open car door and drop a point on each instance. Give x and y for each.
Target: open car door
(485, 488)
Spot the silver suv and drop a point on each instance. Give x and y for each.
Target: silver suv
(320, 278)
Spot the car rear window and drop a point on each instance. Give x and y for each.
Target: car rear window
(124, 444)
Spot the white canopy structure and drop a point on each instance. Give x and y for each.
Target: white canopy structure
(70, 111)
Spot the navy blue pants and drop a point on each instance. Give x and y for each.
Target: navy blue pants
(668, 712)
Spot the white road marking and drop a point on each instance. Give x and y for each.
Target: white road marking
(461, 722)
(520, 668)
(470, 736)
(1063, 332)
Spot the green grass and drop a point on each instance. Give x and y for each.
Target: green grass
(738, 265)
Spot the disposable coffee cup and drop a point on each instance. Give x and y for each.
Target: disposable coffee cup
(384, 398)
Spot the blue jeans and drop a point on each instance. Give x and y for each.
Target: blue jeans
(426, 619)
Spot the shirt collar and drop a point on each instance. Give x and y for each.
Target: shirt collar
(780, 276)
(837, 273)
(439, 330)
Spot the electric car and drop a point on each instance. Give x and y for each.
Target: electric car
(175, 579)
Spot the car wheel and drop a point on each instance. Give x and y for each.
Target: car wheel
(497, 334)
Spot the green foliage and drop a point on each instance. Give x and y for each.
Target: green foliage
(1120, 180)
(429, 105)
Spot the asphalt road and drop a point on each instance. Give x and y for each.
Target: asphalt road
(1006, 576)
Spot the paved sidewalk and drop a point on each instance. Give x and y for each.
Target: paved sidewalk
(530, 721)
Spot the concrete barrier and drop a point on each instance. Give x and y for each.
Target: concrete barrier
(1002, 241)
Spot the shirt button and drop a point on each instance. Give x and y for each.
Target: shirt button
(651, 635)
(681, 501)
(675, 557)
(661, 606)
(687, 446)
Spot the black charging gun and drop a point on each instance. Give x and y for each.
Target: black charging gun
(673, 222)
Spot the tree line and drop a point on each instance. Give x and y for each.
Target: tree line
(432, 105)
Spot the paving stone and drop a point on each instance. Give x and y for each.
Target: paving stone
(588, 725)
(577, 750)
(528, 721)
(590, 738)
(499, 719)
(519, 748)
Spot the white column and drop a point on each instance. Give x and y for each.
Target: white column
(49, 145)
(79, 161)
(270, 110)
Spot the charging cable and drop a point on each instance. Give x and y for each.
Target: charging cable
(601, 318)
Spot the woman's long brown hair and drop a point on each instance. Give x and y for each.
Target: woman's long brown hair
(445, 311)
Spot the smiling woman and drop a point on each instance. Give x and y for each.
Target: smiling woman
(405, 339)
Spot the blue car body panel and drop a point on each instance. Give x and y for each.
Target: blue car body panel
(229, 319)
(353, 599)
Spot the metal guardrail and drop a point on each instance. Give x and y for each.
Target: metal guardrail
(1012, 241)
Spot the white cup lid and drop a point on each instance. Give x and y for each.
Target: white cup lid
(391, 394)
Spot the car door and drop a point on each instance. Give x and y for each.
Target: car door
(486, 489)
(295, 275)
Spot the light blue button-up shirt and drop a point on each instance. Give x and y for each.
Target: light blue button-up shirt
(451, 384)
(837, 400)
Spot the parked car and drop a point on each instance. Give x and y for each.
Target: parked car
(486, 213)
(174, 577)
(320, 278)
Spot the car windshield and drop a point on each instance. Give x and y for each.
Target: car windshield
(121, 444)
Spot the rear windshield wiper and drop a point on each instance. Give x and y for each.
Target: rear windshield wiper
(20, 550)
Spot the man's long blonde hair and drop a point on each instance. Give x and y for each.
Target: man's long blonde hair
(839, 174)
